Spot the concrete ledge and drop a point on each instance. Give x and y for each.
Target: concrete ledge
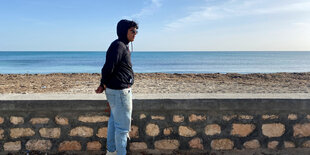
(154, 96)
(161, 105)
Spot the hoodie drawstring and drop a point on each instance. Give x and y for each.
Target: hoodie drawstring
(131, 47)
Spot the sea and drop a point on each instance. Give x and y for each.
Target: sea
(44, 62)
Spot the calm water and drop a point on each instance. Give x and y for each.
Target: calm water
(167, 62)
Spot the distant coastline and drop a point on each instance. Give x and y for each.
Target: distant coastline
(169, 51)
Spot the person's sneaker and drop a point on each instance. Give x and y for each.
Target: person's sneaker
(111, 153)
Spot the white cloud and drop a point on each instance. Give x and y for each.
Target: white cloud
(206, 13)
(303, 26)
(234, 8)
(292, 7)
(148, 10)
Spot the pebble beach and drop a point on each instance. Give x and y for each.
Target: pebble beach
(159, 83)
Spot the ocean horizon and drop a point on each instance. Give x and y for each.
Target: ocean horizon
(44, 62)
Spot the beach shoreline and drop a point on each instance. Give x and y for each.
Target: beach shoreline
(160, 83)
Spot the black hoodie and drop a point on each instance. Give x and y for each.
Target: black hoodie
(117, 71)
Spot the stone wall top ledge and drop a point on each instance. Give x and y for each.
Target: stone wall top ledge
(161, 104)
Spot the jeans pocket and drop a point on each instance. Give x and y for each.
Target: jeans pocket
(126, 91)
(111, 99)
(126, 98)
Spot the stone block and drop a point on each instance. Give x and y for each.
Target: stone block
(16, 120)
(134, 133)
(152, 130)
(39, 145)
(168, 131)
(264, 117)
(242, 130)
(302, 130)
(69, 146)
(136, 146)
(292, 117)
(288, 144)
(196, 143)
(50, 132)
(142, 116)
(93, 119)
(167, 144)
(306, 144)
(228, 118)
(102, 132)
(212, 129)
(1, 134)
(12, 146)
(158, 117)
(273, 129)
(222, 144)
(1, 120)
(82, 131)
(273, 144)
(21, 132)
(39, 120)
(61, 120)
(248, 117)
(94, 146)
(252, 144)
(195, 118)
(186, 131)
(178, 118)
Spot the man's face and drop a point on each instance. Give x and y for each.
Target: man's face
(131, 33)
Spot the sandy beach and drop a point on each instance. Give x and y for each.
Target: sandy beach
(159, 83)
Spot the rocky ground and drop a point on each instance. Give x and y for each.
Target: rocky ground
(153, 83)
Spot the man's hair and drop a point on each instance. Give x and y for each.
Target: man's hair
(133, 24)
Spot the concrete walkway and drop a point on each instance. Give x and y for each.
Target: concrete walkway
(153, 96)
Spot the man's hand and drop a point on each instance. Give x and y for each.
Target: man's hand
(100, 89)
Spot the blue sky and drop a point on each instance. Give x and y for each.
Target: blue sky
(165, 25)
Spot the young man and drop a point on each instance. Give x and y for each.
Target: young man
(117, 79)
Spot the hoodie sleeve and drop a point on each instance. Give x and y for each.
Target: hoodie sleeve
(113, 57)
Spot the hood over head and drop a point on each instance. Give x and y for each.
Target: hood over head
(122, 29)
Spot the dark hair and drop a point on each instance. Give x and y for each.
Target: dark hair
(133, 24)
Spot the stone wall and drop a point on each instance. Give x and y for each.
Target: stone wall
(194, 125)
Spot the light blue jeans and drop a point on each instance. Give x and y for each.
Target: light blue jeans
(120, 119)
